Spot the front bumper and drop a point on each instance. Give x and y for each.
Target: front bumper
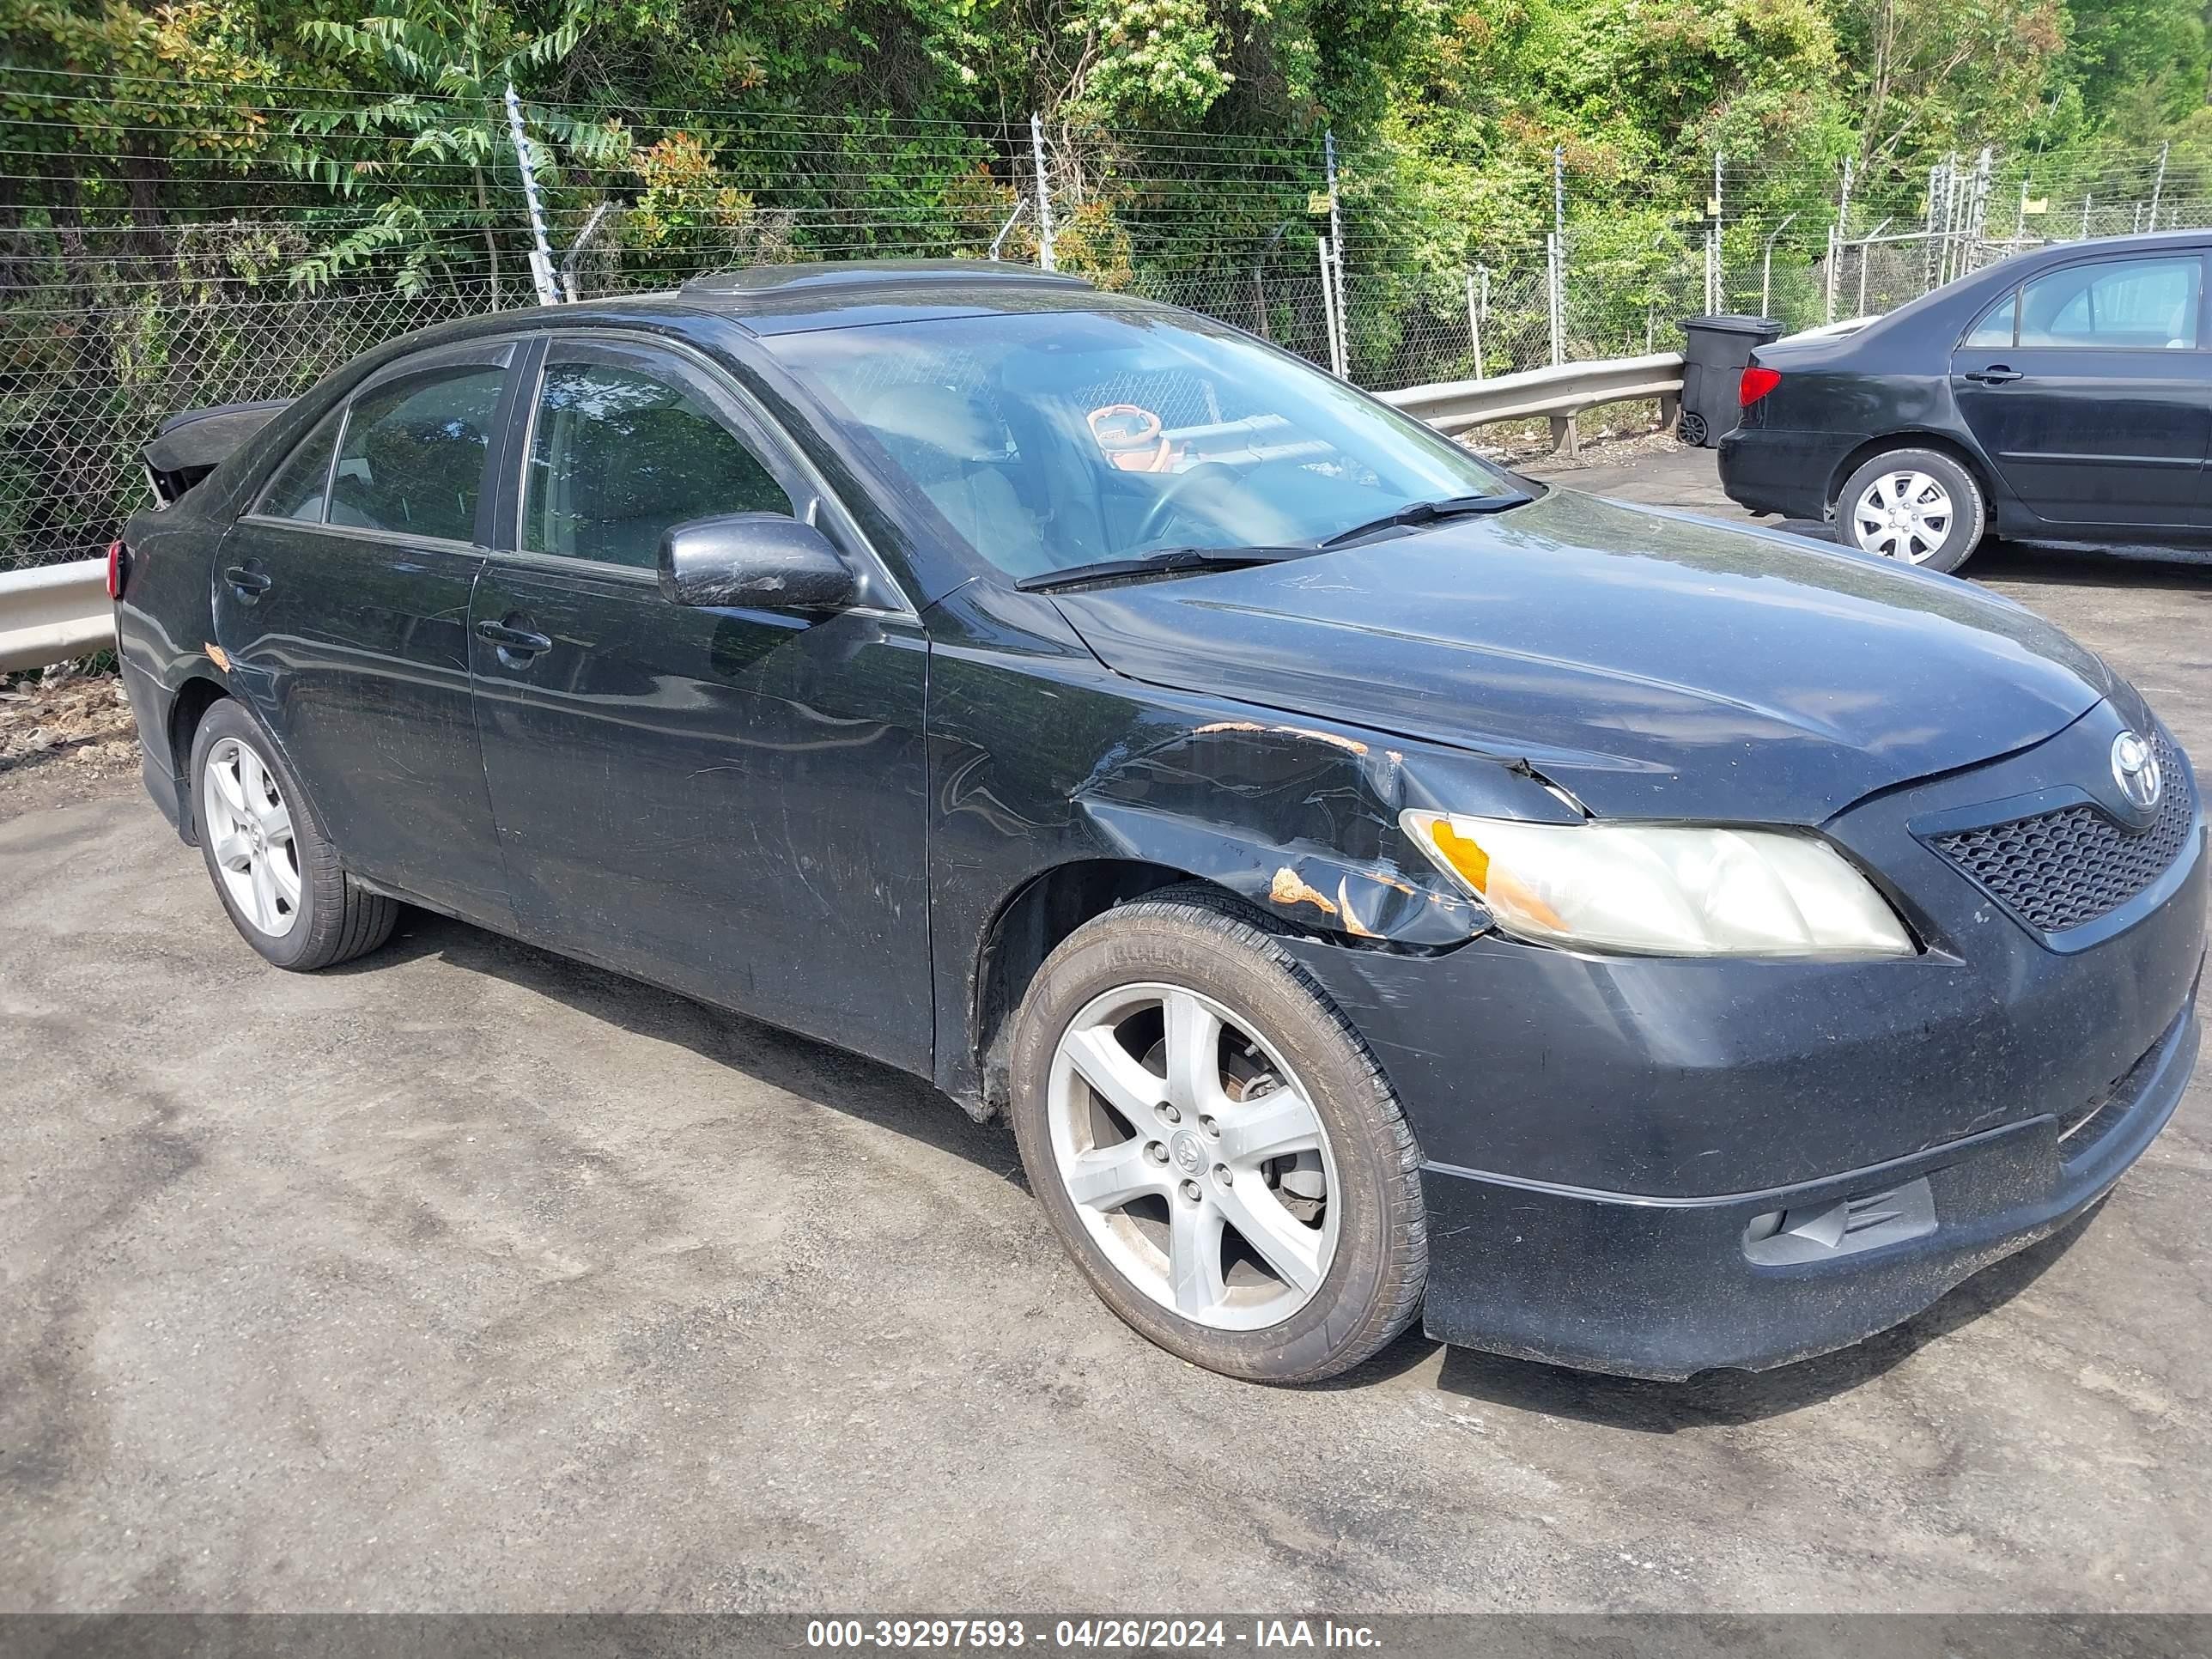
(1669, 1287)
(1603, 1135)
(1781, 471)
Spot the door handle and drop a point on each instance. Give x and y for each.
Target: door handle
(1994, 375)
(514, 641)
(251, 584)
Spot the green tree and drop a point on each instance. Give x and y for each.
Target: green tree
(450, 62)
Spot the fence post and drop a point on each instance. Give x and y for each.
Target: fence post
(1555, 257)
(541, 254)
(1330, 321)
(570, 285)
(1837, 235)
(1715, 298)
(2158, 184)
(1044, 193)
(2085, 214)
(1928, 248)
(1977, 226)
(1555, 279)
(1766, 266)
(1336, 259)
(1474, 305)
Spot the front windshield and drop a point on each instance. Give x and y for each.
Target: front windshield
(1056, 440)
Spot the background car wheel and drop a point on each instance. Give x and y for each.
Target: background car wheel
(1214, 1145)
(1917, 506)
(276, 871)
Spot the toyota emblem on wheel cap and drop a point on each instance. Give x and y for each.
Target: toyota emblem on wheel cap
(2135, 768)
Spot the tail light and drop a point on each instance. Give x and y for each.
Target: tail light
(1757, 382)
(119, 569)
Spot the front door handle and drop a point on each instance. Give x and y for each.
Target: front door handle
(1994, 375)
(514, 641)
(251, 584)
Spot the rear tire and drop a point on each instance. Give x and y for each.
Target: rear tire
(278, 874)
(1255, 1209)
(1918, 507)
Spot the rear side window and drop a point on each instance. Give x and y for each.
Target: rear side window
(413, 458)
(2119, 304)
(1995, 330)
(296, 491)
(618, 454)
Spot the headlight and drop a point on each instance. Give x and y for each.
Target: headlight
(1658, 890)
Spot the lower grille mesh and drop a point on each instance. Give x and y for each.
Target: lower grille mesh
(2065, 869)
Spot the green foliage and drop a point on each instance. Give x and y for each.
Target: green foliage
(738, 129)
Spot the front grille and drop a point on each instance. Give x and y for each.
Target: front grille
(2065, 869)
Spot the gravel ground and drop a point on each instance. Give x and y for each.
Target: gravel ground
(64, 735)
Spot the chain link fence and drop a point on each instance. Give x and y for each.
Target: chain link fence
(251, 284)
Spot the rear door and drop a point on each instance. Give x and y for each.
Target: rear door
(2090, 389)
(342, 603)
(731, 802)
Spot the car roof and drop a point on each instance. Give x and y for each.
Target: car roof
(785, 298)
(2148, 241)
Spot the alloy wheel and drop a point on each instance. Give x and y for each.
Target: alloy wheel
(250, 829)
(1193, 1155)
(1903, 514)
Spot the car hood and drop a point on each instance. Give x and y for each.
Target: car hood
(1651, 664)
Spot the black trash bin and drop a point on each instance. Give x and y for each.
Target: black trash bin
(1715, 350)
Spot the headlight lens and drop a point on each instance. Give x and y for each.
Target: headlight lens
(1654, 889)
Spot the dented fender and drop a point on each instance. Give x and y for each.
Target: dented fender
(1304, 821)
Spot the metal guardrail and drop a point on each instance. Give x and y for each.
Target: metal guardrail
(50, 614)
(53, 613)
(1557, 394)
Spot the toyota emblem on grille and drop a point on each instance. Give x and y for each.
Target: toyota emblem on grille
(2135, 768)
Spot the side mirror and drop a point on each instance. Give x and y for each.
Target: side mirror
(764, 561)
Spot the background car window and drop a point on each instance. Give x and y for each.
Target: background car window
(296, 491)
(1996, 328)
(2123, 304)
(413, 460)
(619, 455)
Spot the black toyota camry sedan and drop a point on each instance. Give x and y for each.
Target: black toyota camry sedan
(2062, 395)
(1369, 882)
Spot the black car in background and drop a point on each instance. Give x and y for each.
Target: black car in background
(1361, 876)
(2061, 395)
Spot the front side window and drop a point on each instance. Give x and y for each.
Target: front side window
(2138, 305)
(1048, 441)
(413, 458)
(617, 455)
(297, 490)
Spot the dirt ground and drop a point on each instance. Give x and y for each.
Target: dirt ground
(65, 735)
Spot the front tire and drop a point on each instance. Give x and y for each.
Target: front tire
(1918, 507)
(278, 874)
(1214, 1145)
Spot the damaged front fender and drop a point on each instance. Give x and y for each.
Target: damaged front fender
(1303, 822)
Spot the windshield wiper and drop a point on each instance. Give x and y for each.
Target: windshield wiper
(1167, 561)
(1420, 513)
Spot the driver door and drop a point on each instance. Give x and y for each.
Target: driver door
(729, 802)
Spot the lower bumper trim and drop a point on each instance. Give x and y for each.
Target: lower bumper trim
(1668, 1287)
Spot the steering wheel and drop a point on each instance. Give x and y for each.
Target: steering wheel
(1214, 473)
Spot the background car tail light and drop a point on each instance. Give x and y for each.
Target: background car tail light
(119, 567)
(1757, 382)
